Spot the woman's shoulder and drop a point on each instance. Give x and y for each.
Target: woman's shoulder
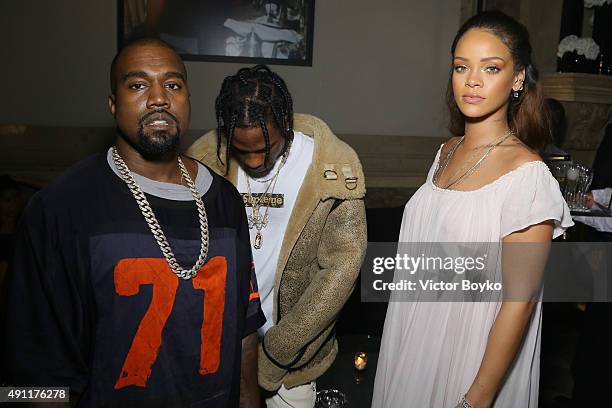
(517, 154)
(512, 164)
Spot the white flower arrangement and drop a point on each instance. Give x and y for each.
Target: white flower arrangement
(596, 3)
(583, 46)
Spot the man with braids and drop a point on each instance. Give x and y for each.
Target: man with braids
(303, 189)
(100, 299)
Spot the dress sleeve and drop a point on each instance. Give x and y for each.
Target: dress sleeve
(533, 196)
(45, 330)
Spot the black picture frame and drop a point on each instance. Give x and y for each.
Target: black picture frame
(480, 6)
(200, 30)
(509, 7)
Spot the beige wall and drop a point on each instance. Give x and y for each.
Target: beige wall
(380, 67)
(543, 20)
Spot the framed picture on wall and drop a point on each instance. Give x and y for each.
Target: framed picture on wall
(244, 31)
(510, 7)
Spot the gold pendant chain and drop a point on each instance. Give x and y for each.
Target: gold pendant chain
(256, 220)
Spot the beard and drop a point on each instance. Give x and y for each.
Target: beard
(154, 145)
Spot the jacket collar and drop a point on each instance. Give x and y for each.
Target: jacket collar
(335, 171)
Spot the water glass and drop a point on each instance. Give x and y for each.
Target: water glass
(571, 185)
(331, 399)
(578, 179)
(584, 182)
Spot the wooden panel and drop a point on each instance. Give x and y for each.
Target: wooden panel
(394, 161)
(575, 87)
(37, 154)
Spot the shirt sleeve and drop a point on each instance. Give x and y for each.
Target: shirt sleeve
(533, 196)
(602, 196)
(44, 334)
(254, 316)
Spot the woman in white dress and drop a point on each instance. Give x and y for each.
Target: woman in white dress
(487, 185)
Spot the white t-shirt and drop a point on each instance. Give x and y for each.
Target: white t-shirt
(288, 184)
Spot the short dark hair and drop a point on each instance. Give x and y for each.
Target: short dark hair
(525, 113)
(253, 97)
(136, 42)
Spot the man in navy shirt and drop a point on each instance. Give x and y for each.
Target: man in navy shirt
(133, 281)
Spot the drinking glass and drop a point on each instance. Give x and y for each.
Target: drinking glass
(584, 182)
(571, 184)
(331, 399)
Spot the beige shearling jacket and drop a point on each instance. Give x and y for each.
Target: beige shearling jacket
(320, 257)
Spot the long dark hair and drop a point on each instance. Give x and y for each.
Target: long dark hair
(253, 97)
(525, 113)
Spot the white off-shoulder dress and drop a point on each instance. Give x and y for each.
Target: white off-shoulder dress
(431, 351)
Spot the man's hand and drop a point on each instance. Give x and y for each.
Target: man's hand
(249, 389)
(269, 373)
(589, 199)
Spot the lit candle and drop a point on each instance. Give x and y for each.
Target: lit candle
(361, 360)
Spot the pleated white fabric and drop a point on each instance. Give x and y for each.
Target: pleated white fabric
(431, 351)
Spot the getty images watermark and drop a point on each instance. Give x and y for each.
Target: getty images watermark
(486, 272)
(412, 265)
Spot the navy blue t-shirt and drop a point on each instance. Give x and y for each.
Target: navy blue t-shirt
(93, 305)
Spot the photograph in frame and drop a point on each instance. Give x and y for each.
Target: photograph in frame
(245, 31)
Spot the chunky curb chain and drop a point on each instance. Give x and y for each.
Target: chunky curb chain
(158, 234)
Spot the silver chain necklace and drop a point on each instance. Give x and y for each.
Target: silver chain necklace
(158, 234)
(472, 169)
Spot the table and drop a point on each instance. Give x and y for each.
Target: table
(358, 386)
(598, 217)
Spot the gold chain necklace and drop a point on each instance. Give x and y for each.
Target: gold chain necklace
(256, 220)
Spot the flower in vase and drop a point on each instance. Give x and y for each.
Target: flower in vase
(581, 45)
(596, 3)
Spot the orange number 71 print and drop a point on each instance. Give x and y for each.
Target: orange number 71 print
(133, 272)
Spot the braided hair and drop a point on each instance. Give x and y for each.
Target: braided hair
(253, 97)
